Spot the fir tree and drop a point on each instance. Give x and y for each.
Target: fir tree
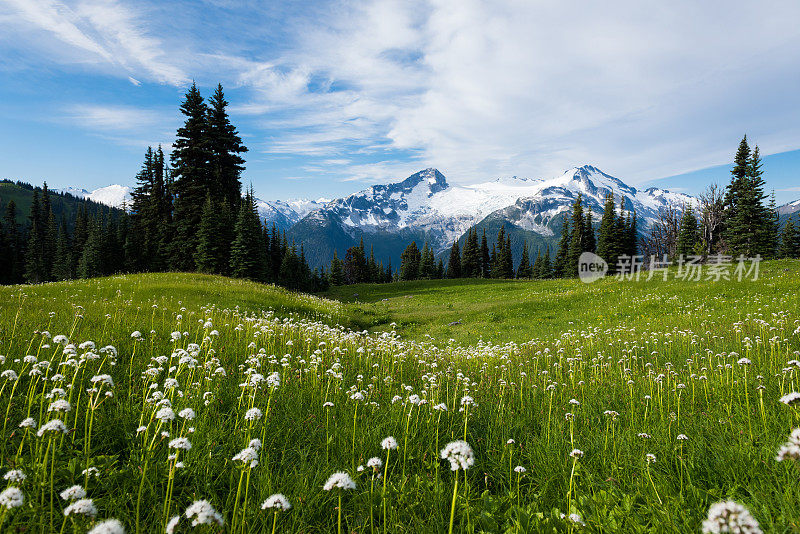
(248, 256)
(470, 256)
(91, 261)
(427, 265)
(790, 241)
(62, 264)
(608, 239)
(210, 256)
(409, 262)
(49, 233)
(536, 270)
(561, 267)
(747, 221)
(224, 147)
(355, 265)
(190, 158)
(633, 235)
(688, 235)
(577, 238)
(79, 236)
(525, 270)
(14, 259)
(486, 264)
(336, 271)
(35, 269)
(771, 233)
(454, 264)
(547, 266)
(589, 240)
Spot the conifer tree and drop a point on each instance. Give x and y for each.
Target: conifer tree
(771, 233)
(49, 232)
(633, 235)
(470, 256)
(688, 235)
(525, 270)
(486, 264)
(589, 240)
(372, 266)
(275, 255)
(547, 266)
(577, 238)
(190, 158)
(409, 262)
(747, 220)
(454, 264)
(210, 256)
(14, 259)
(79, 237)
(561, 267)
(427, 264)
(248, 256)
(62, 264)
(336, 271)
(503, 266)
(608, 239)
(34, 254)
(508, 259)
(790, 241)
(224, 147)
(536, 270)
(355, 265)
(91, 261)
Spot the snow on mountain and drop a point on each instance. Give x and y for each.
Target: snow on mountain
(537, 212)
(789, 208)
(113, 195)
(424, 202)
(285, 213)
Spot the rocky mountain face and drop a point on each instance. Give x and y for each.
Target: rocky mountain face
(426, 208)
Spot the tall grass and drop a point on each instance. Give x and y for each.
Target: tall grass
(209, 351)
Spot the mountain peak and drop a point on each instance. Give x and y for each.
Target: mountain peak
(435, 180)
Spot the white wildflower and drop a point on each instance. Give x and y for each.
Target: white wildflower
(278, 501)
(459, 454)
(340, 480)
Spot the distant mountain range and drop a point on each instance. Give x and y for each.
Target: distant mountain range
(426, 208)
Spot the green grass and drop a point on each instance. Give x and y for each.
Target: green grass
(511, 310)
(664, 356)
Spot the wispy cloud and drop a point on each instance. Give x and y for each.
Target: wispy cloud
(101, 30)
(372, 90)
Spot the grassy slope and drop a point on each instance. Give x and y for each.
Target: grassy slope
(612, 494)
(168, 290)
(505, 310)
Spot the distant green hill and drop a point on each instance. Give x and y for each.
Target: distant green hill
(63, 203)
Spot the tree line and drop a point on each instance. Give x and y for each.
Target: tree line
(187, 213)
(735, 221)
(616, 236)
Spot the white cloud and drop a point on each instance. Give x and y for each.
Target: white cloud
(515, 87)
(104, 31)
(113, 118)
(477, 88)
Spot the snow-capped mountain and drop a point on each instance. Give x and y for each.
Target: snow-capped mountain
(113, 195)
(554, 198)
(789, 208)
(285, 213)
(425, 207)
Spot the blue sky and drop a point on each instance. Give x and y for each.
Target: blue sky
(333, 96)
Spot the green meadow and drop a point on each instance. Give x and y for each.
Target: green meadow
(186, 403)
